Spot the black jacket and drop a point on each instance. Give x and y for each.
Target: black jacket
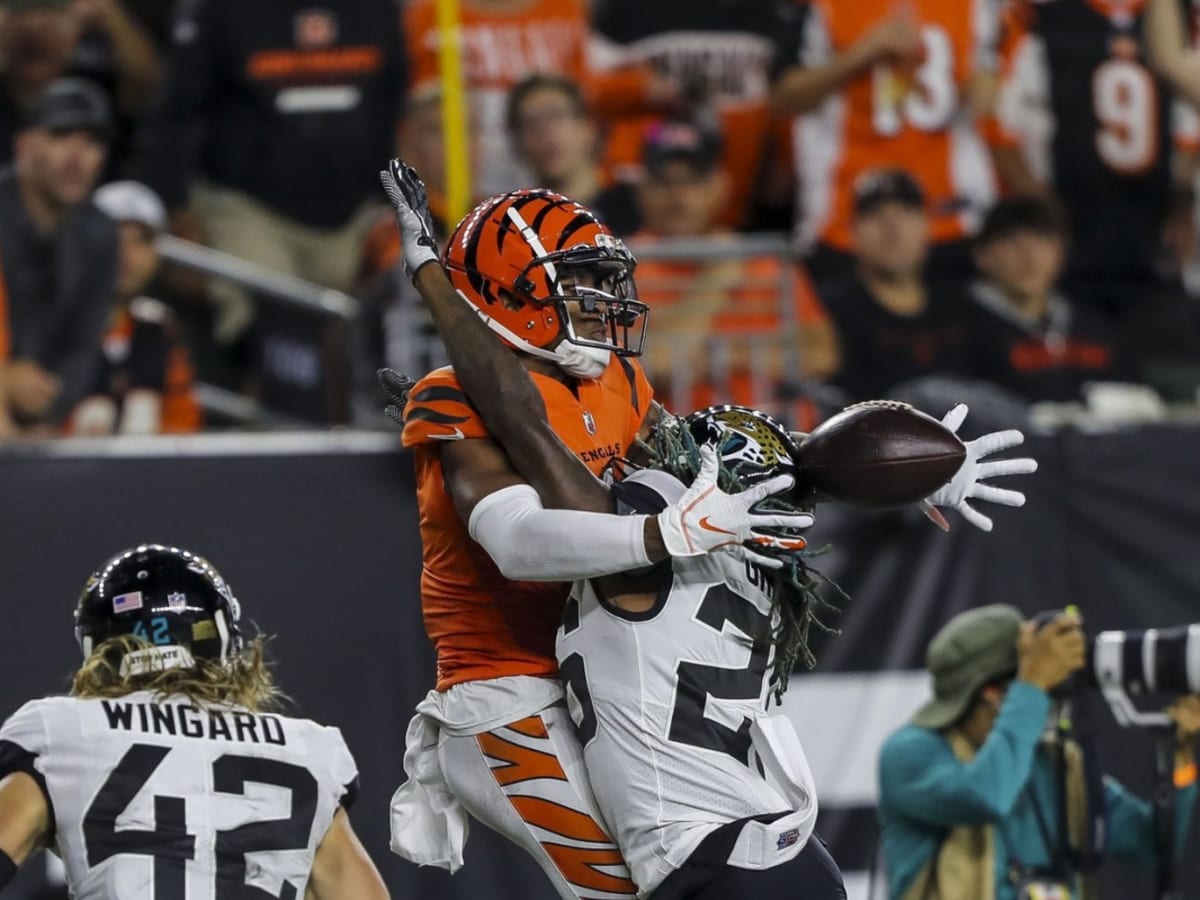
(293, 105)
(60, 290)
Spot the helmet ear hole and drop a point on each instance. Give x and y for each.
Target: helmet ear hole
(511, 301)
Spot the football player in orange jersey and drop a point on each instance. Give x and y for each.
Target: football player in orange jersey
(494, 738)
(515, 409)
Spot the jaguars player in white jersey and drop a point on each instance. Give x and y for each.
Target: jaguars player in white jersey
(669, 674)
(166, 774)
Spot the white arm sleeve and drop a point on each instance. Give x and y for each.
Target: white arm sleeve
(531, 543)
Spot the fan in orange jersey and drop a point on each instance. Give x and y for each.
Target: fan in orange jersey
(891, 84)
(504, 41)
(494, 737)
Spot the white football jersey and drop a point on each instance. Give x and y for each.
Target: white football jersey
(666, 703)
(165, 800)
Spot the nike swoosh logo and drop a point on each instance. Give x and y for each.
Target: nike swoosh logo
(707, 526)
(456, 435)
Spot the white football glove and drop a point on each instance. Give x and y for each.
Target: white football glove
(411, 202)
(706, 519)
(967, 481)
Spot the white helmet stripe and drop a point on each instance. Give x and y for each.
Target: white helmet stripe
(223, 631)
(532, 239)
(511, 336)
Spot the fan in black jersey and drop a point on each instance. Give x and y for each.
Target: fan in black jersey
(168, 772)
(1080, 114)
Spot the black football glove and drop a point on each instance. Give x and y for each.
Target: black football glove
(410, 200)
(396, 387)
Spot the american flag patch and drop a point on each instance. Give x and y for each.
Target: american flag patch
(127, 602)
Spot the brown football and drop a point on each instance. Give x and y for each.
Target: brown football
(878, 454)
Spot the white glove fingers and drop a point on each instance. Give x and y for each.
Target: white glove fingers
(975, 517)
(742, 552)
(954, 419)
(708, 468)
(997, 495)
(780, 520)
(995, 442)
(1019, 466)
(776, 485)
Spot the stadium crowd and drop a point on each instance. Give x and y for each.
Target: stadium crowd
(994, 195)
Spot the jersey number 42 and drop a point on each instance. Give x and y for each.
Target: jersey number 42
(171, 845)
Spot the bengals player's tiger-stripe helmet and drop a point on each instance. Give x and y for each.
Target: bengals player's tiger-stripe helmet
(516, 257)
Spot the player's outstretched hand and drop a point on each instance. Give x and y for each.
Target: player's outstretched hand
(396, 388)
(706, 519)
(967, 483)
(407, 192)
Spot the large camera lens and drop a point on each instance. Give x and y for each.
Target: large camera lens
(1153, 661)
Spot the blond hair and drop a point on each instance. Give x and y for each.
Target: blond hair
(244, 679)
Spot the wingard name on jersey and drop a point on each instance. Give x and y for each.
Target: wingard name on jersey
(190, 721)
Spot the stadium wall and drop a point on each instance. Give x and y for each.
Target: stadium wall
(317, 535)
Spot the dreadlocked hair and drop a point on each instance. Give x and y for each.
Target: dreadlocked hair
(244, 679)
(798, 588)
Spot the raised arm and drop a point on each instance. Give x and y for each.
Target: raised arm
(507, 399)
(1166, 35)
(823, 71)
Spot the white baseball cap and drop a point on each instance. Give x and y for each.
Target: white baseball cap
(132, 201)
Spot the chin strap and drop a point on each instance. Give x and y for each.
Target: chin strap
(574, 360)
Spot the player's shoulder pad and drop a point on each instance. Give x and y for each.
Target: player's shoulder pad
(647, 492)
(438, 410)
(27, 727)
(342, 768)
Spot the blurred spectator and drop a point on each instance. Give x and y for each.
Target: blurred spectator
(557, 140)
(735, 330)
(1081, 115)
(394, 328)
(423, 146)
(722, 55)
(893, 324)
(891, 83)
(37, 41)
(295, 111)
(143, 382)
(1022, 333)
(502, 42)
(58, 252)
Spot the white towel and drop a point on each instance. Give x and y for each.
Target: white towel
(429, 825)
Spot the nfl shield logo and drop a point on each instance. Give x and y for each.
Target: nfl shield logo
(177, 602)
(589, 423)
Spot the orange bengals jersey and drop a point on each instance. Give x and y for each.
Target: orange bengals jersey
(482, 624)
(915, 118)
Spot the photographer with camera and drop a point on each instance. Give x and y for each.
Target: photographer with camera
(984, 796)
